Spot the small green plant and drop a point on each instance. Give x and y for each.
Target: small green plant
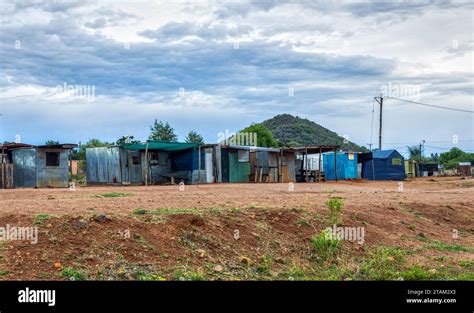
(40, 218)
(326, 246)
(113, 195)
(72, 274)
(265, 264)
(335, 208)
(4, 272)
(140, 211)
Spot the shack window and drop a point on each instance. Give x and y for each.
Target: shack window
(243, 155)
(52, 158)
(153, 156)
(396, 161)
(135, 160)
(160, 158)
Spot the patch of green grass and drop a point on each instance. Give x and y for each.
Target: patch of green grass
(40, 218)
(149, 277)
(185, 274)
(172, 211)
(235, 210)
(441, 246)
(113, 195)
(72, 274)
(4, 272)
(303, 222)
(467, 263)
(295, 273)
(326, 246)
(335, 208)
(417, 273)
(383, 263)
(140, 211)
(265, 265)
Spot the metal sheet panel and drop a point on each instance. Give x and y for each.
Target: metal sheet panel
(103, 165)
(24, 168)
(52, 176)
(238, 171)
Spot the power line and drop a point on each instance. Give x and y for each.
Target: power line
(444, 148)
(431, 105)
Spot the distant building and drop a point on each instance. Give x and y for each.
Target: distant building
(31, 166)
(464, 168)
(429, 169)
(411, 169)
(152, 162)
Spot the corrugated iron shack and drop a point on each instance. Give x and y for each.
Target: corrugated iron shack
(152, 162)
(28, 166)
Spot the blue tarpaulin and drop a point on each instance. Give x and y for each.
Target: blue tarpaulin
(346, 166)
(384, 165)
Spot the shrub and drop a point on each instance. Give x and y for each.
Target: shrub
(335, 208)
(325, 245)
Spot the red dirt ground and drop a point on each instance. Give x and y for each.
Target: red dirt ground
(195, 228)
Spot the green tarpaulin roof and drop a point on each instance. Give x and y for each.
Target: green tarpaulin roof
(161, 145)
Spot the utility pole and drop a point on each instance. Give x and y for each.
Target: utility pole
(380, 101)
(370, 146)
(422, 150)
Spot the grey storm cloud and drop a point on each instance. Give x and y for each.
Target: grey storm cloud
(280, 46)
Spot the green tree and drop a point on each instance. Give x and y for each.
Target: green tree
(126, 140)
(194, 137)
(162, 131)
(92, 143)
(451, 158)
(415, 153)
(52, 142)
(264, 136)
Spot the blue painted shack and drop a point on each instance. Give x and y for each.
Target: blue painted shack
(152, 162)
(383, 165)
(37, 166)
(346, 165)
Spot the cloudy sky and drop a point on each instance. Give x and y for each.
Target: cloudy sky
(217, 65)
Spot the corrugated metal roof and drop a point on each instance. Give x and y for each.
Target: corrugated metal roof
(14, 145)
(59, 146)
(161, 145)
